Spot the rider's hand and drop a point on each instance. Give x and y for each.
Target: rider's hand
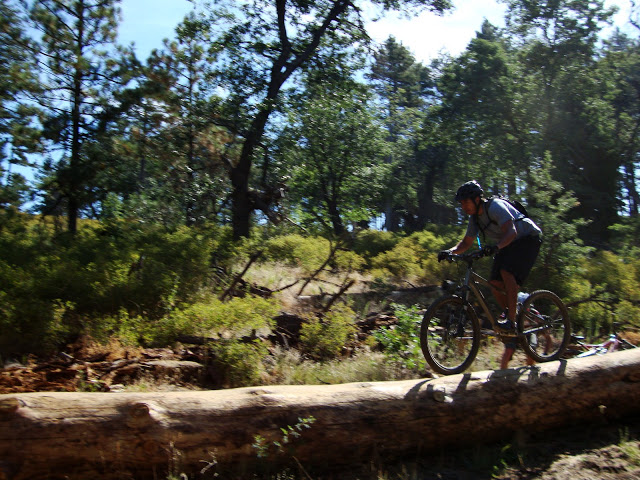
(490, 249)
(443, 254)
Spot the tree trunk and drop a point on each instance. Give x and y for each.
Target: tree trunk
(150, 435)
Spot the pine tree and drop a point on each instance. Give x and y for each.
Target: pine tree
(18, 82)
(79, 80)
(184, 150)
(404, 87)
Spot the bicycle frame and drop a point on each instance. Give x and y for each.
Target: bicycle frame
(608, 346)
(612, 344)
(472, 282)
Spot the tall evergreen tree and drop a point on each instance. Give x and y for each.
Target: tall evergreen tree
(616, 119)
(558, 43)
(331, 149)
(181, 92)
(17, 83)
(484, 120)
(403, 87)
(79, 78)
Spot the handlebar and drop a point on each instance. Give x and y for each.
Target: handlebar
(468, 258)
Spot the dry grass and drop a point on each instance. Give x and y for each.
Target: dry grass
(87, 348)
(631, 336)
(289, 367)
(288, 281)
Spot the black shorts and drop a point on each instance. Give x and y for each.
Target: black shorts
(517, 258)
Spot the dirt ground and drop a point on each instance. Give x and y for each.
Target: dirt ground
(605, 451)
(584, 452)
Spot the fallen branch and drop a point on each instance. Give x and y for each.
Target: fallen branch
(141, 435)
(336, 296)
(332, 252)
(238, 277)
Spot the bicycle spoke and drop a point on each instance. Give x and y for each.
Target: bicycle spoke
(545, 325)
(449, 336)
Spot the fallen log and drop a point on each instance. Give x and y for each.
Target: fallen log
(240, 431)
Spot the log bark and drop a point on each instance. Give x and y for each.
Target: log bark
(145, 435)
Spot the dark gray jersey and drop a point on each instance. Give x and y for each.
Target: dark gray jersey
(500, 211)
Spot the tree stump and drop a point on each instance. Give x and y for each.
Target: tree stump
(145, 435)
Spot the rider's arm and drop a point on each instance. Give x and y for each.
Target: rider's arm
(463, 245)
(508, 234)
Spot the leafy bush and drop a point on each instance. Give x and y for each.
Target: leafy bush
(173, 267)
(401, 262)
(324, 338)
(628, 314)
(401, 342)
(210, 317)
(414, 258)
(56, 286)
(309, 253)
(371, 243)
(235, 363)
(349, 261)
(238, 364)
(604, 289)
(585, 315)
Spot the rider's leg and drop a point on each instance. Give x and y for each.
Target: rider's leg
(507, 355)
(511, 287)
(498, 292)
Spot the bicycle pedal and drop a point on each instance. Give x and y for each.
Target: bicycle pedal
(506, 332)
(506, 325)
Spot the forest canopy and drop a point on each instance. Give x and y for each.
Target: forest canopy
(272, 110)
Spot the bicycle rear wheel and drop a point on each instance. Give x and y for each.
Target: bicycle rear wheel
(625, 344)
(450, 335)
(544, 321)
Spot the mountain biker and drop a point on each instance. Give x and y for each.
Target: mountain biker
(514, 238)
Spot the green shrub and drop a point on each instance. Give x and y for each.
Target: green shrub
(414, 258)
(603, 289)
(30, 322)
(55, 286)
(628, 314)
(235, 363)
(309, 253)
(210, 317)
(402, 262)
(585, 316)
(349, 261)
(129, 330)
(238, 364)
(173, 267)
(371, 243)
(324, 338)
(401, 342)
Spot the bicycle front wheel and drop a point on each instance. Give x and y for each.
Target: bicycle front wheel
(544, 322)
(450, 335)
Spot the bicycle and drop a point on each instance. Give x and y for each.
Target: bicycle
(578, 349)
(450, 333)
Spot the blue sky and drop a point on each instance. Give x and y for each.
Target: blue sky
(148, 22)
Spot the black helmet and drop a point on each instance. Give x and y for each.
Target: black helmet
(470, 189)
